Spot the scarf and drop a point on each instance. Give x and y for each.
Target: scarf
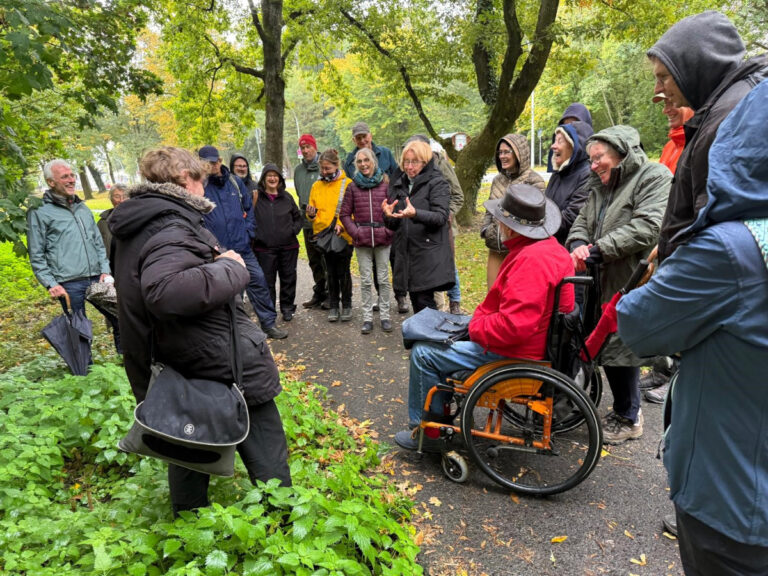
(332, 177)
(367, 183)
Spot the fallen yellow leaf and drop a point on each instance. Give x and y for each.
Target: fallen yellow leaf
(558, 539)
(418, 539)
(628, 534)
(514, 498)
(336, 383)
(641, 562)
(552, 557)
(435, 501)
(670, 536)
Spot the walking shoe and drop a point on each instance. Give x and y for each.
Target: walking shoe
(326, 305)
(455, 307)
(333, 315)
(409, 439)
(275, 333)
(314, 302)
(653, 379)
(367, 328)
(402, 305)
(287, 316)
(657, 395)
(670, 524)
(386, 325)
(346, 313)
(617, 429)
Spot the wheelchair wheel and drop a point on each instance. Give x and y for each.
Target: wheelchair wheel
(455, 466)
(507, 425)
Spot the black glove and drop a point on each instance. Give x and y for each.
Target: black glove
(595, 256)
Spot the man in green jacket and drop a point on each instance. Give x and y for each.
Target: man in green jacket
(65, 247)
(304, 176)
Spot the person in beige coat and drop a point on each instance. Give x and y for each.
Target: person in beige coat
(513, 160)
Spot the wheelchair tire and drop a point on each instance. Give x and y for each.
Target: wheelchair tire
(455, 466)
(499, 406)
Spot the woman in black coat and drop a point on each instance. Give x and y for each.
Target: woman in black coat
(418, 212)
(175, 286)
(278, 223)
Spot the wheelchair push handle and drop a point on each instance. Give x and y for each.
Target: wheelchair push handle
(584, 280)
(637, 275)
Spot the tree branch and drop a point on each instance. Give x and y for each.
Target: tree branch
(483, 57)
(541, 46)
(288, 50)
(403, 73)
(226, 60)
(255, 18)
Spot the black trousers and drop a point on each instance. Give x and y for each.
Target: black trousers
(264, 453)
(281, 263)
(317, 265)
(707, 552)
(339, 277)
(625, 387)
(421, 300)
(398, 293)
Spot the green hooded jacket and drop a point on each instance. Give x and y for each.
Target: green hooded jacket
(64, 242)
(623, 219)
(304, 176)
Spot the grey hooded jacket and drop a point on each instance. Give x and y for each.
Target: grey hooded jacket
(705, 56)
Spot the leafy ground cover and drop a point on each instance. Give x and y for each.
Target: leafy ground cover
(71, 503)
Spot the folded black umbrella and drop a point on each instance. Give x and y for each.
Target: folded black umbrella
(71, 334)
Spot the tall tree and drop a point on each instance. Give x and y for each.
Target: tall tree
(229, 62)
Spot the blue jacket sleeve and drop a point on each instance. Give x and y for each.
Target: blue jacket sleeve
(250, 219)
(693, 293)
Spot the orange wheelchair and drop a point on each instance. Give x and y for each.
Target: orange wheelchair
(527, 424)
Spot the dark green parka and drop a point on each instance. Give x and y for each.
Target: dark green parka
(623, 219)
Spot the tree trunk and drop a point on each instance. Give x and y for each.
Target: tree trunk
(109, 165)
(471, 165)
(96, 177)
(274, 83)
(86, 184)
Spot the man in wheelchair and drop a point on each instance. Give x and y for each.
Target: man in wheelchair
(513, 320)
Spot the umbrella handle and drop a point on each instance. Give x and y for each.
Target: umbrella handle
(637, 275)
(651, 266)
(65, 300)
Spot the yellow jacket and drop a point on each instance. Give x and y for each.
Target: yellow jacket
(324, 196)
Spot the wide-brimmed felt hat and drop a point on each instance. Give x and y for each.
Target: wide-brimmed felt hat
(658, 97)
(526, 210)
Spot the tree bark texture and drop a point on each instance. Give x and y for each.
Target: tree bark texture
(96, 177)
(274, 82)
(85, 183)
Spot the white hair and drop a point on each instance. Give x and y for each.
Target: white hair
(48, 168)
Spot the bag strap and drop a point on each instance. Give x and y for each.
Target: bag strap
(239, 193)
(341, 196)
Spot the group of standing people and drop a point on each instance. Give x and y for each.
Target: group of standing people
(391, 214)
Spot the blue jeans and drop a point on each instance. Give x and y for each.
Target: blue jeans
(454, 294)
(432, 363)
(258, 291)
(76, 291)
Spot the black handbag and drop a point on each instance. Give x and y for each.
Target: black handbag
(430, 325)
(191, 422)
(327, 241)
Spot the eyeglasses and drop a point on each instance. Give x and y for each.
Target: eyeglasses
(503, 152)
(413, 162)
(363, 161)
(596, 159)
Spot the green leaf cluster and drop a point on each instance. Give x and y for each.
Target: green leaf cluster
(71, 503)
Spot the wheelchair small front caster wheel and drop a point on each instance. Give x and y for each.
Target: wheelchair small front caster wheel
(455, 466)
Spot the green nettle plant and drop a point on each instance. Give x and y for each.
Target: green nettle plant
(71, 503)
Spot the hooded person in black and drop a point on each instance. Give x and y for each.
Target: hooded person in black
(576, 112)
(567, 187)
(278, 222)
(236, 167)
(699, 62)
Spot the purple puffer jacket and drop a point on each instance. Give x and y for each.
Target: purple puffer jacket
(362, 216)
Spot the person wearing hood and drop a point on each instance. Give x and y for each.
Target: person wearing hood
(304, 176)
(656, 381)
(239, 165)
(278, 223)
(708, 301)
(699, 62)
(419, 215)
(576, 112)
(233, 224)
(176, 285)
(618, 225)
(513, 160)
(569, 166)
